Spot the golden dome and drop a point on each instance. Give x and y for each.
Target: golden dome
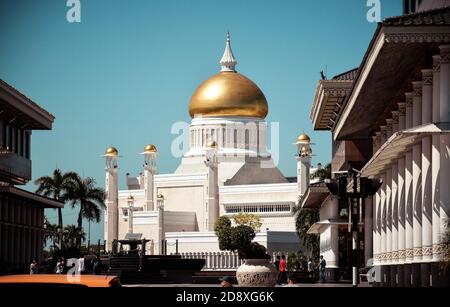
(211, 144)
(228, 94)
(111, 152)
(150, 149)
(130, 197)
(303, 138)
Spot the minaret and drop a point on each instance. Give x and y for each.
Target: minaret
(212, 205)
(149, 173)
(304, 155)
(228, 60)
(112, 197)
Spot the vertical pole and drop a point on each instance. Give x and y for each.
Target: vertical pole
(176, 247)
(355, 215)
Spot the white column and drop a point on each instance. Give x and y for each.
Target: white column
(383, 220)
(377, 227)
(388, 215)
(408, 208)
(329, 239)
(427, 107)
(401, 116)
(212, 192)
(417, 174)
(149, 186)
(401, 209)
(112, 211)
(394, 219)
(444, 109)
(303, 173)
(435, 166)
(368, 229)
(395, 121)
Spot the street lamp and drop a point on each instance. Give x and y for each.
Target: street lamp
(367, 188)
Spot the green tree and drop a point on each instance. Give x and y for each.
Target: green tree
(90, 199)
(248, 219)
(73, 235)
(57, 187)
(304, 219)
(51, 232)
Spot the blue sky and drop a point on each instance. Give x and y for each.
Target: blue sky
(126, 73)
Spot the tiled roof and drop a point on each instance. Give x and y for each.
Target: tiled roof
(348, 75)
(433, 17)
(28, 100)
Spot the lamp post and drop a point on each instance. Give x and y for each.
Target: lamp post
(130, 202)
(367, 188)
(161, 234)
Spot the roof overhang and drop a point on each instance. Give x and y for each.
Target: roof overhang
(14, 106)
(328, 100)
(387, 70)
(398, 144)
(314, 196)
(42, 200)
(318, 227)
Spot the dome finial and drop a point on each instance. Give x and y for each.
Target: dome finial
(228, 60)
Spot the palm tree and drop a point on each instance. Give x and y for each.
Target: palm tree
(57, 187)
(72, 235)
(90, 198)
(51, 232)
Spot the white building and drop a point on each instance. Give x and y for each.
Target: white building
(227, 170)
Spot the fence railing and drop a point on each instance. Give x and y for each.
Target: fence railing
(222, 261)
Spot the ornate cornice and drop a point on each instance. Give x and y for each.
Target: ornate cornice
(417, 37)
(335, 92)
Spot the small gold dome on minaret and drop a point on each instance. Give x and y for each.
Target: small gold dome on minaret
(303, 138)
(111, 152)
(150, 149)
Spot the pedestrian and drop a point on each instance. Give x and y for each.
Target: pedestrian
(277, 263)
(96, 265)
(63, 265)
(33, 267)
(291, 281)
(310, 268)
(226, 282)
(322, 265)
(282, 270)
(59, 267)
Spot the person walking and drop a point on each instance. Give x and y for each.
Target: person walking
(282, 270)
(33, 267)
(322, 266)
(59, 267)
(310, 268)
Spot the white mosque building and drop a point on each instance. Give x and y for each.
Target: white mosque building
(226, 170)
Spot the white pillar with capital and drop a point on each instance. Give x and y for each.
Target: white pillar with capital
(149, 153)
(444, 111)
(435, 166)
(211, 162)
(112, 197)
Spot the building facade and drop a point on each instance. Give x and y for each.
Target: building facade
(390, 119)
(21, 212)
(226, 170)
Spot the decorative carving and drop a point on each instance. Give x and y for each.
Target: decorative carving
(427, 77)
(417, 89)
(409, 99)
(445, 55)
(395, 115)
(438, 249)
(427, 250)
(436, 63)
(417, 251)
(394, 255)
(409, 253)
(402, 108)
(417, 37)
(257, 273)
(402, 254)
(336, 92)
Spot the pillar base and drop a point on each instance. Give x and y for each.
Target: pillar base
(401, 275)
(331, 275)
(415, 273)
(407, 269)
(425, 273)
(394, 277)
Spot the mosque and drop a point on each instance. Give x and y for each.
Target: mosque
(226, 170)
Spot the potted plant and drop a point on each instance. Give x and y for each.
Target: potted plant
(257, 270)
